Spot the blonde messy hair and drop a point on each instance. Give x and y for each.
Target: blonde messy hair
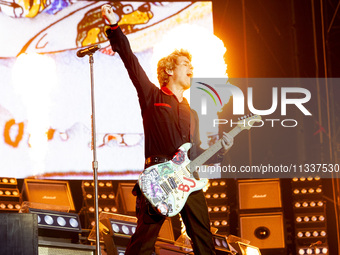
(168, 63)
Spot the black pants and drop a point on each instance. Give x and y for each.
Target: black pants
(195, 217)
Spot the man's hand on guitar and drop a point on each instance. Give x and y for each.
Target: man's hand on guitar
(227, 141)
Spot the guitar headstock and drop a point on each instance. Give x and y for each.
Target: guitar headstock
(247, 122)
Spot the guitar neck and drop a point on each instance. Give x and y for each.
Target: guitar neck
(201, 159)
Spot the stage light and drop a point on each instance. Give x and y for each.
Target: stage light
(54, 220)
(318, 190)
(61, 221)
(310, 233)
(115, 229)
(311, 190)
(220, 242)
(9, 192)
(223, 195)
(10, 206)
(320, 203)
(216, 223)
(106, 199)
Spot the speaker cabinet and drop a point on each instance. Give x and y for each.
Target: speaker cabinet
(59, 248)
(51, 192)
(126, 200)
(259, 194)
(265, 230)
(18, 234)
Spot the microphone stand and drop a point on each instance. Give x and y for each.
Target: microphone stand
(94, 162)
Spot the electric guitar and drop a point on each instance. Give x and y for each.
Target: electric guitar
(167, 185)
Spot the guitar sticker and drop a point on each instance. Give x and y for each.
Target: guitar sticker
(190, 180)
(179, 157)
(183, 187)
(165, 169)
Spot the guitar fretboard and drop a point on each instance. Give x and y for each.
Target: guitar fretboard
(201, 159)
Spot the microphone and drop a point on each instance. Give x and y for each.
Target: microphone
(315, 244)
(88, 51)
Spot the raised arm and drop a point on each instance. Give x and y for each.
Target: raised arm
(121, 45)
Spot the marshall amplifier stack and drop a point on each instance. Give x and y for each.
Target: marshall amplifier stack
(261, 219)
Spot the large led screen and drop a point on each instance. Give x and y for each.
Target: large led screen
(45, 89)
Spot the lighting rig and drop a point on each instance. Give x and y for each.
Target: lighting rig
(310, 216)
(106, 200)
(217, 201)
(115, 231)
(10, 199)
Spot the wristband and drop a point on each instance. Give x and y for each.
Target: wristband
(114, 26)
